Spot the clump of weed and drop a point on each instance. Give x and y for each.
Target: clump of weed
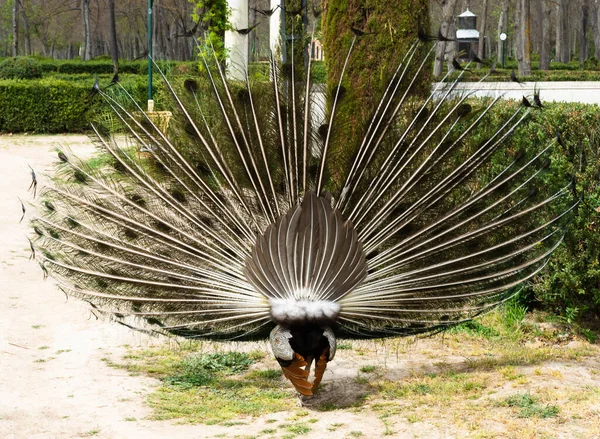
(530, 407)
(368, 369)
(200, 370)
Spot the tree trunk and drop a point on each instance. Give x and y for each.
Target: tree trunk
(26, 30)
(482, 25)
(15, 28)
(524, 44)
(597, 30)
(440, 50)
(562, 34)
(502, 28)
(373, 57)
(156, 31)
(545, 46)
(583, 46)
(112, 36)
(87, 33)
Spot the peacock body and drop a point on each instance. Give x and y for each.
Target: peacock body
(252, 216)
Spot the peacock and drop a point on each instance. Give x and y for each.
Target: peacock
(254, 215)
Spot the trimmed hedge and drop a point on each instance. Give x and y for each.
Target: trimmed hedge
(105, 67)
(44, 106)
(570, 285)
(53, 105)
(20, 68)
(503, 75)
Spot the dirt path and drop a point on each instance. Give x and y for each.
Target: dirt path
(55, 384)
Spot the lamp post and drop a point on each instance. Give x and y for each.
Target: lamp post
(503, 39)
(150, 101)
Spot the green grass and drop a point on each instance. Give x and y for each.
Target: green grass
(429, 387)
(530, 407)
(201, 370)
(298, 428)
(335, 426)
(218, 388)
(209, 388)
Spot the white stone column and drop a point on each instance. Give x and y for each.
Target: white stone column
(275, 27)
(235, 43)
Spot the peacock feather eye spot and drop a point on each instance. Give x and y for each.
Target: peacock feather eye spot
(243, 95)
(131, 234)
(72, 223)
(519, 155)
(137, 199)
(189, 129)
(154, 321)
(339, 92)
(191, 85)
(161, 226)
(323, 130)
(103, 247)
(80, 176)
(49, 206)
(463, 110)
(202, 169)
(178, 195)
(160, 167)
(119, 167)
(49, 255)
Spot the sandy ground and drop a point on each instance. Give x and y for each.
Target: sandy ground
(54, 383)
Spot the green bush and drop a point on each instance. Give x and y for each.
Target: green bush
(20, 68)
(53, 105)
(318, 72)
(101, 66)
(570, 286)
(43, 106)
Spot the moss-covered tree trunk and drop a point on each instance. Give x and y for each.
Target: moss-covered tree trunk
(387, 28)
(390, 27)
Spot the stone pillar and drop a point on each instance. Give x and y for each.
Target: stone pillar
(275, 27)
(235, 43)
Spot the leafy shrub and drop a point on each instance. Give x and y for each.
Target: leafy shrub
(103, 65)
(570, 286)
(43, 106)
(318, 72)
(54, 106)
(20, 68)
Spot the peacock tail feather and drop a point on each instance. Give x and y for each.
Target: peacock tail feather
(251, 210)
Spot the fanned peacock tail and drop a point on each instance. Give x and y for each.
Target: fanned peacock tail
(247, 215)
